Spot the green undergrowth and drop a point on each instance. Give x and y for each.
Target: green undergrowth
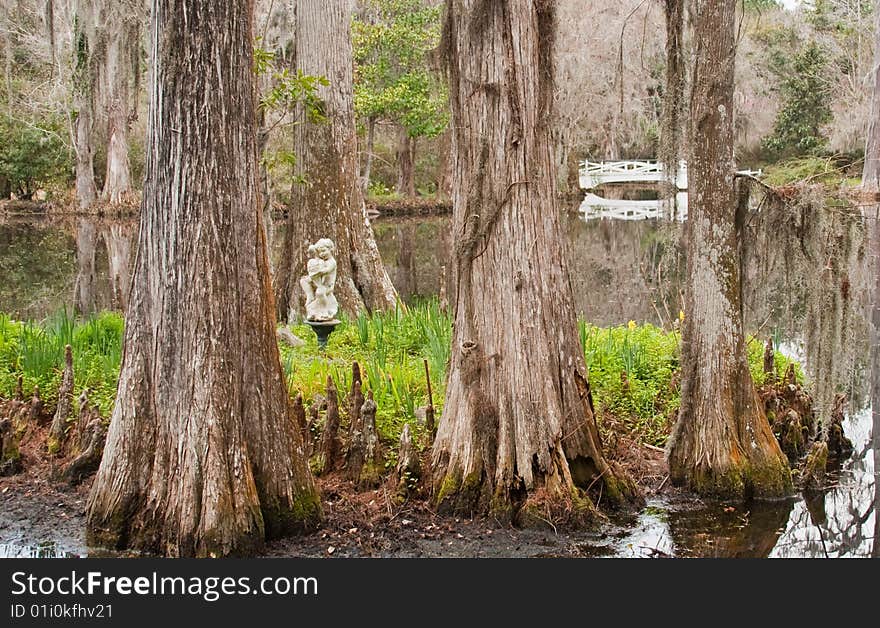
(825, 170)
(634, 376)
(633, 369)
(35, 351)
(391, 349)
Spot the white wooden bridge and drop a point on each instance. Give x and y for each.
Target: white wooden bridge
(596, 173)
(593, 174)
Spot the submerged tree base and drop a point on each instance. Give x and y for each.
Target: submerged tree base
(558, 499)
(737, 480)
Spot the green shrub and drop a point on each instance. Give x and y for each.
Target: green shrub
(33, 155)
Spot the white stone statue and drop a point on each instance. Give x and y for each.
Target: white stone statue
(318, 285)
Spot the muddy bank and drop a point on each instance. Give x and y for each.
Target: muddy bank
(38, 513)
(34, 512)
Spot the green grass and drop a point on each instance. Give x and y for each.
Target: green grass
(631, 374)
(35, 351)
(633, 369)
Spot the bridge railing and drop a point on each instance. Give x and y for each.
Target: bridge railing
(595, 173)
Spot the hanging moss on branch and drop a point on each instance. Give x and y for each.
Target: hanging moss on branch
(802, 242)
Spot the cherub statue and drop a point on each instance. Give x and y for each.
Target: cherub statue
(318, 285)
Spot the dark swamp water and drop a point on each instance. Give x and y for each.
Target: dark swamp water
(620, 271)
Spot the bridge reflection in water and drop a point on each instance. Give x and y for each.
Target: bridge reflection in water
(670, 208)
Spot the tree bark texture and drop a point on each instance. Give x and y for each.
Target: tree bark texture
(518, 420)
(120, 38)
(721, 444)
(406, 180)
(871, 168)
(84, 103)
(330, 203)
(203, 457)
(84, 299)
(117, 238)
(673, 105)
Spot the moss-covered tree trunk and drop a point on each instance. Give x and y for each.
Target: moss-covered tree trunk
(673, 102)
(330, 203)
(518, 421)
(721, 444)
(202, 456)
(871, 167)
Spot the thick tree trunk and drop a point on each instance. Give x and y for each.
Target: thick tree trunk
(518, 421)
(84, 104)
(203, 457)
(117, 181)
(721, 444)
(84, 300)
(673, 105)
(117, 238)
(406, 181)
(86, 191)
(121, 38)
(50, 30)
(330, 204)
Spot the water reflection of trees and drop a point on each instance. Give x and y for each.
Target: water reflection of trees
(728, 531)
(838, 522)
(85, 284)
(103, 274)
(416, 252)
(37, 265)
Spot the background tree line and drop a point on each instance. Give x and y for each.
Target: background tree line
(74, 77)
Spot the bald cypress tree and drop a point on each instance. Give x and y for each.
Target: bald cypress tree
(518, 426)
(721, 444)
(203, 457)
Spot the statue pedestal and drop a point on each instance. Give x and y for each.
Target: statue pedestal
(322, 330)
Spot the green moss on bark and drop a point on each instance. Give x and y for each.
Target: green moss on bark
(737, 481)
